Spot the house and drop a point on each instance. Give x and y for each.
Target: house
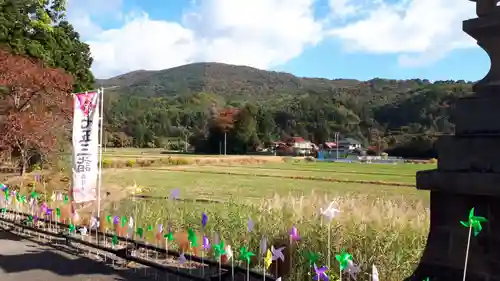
(349, 144)
(295, 146)
(340, 149)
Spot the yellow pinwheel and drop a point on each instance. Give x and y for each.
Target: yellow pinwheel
(268, 260)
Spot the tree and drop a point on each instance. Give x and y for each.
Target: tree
(38, 29)
(35, 106)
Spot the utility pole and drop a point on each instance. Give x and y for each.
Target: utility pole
(337, 144)
(225, 142)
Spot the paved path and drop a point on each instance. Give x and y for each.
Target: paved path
(22, 259)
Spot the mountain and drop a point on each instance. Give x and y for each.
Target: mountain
(243, 82)
(149, 108)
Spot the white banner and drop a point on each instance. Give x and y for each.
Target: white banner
(85, 146)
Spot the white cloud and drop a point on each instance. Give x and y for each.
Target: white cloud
(259, 33)
(421, 31)
(343, 8)
(267, 33)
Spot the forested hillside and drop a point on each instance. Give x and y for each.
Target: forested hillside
(198, 102)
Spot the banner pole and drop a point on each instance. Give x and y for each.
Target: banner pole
(101, 121)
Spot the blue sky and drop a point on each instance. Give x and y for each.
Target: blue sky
(360, 39)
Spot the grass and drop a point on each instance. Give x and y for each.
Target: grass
(382, 225)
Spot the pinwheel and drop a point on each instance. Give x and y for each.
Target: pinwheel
(48, 212)
(174, 194)
(123, 221)
(263, 246)
(229, 252)
(182, 259)
(94, 223)
(116, 220)
(66, 199)
(71, 228)
(352, 269)
(109, 219)
(375, 273)
(277, 253)
(204, 220)
(312, 257)
(343, 260)
(53, 197)
(250, 225)
(320, 273)
(192, 238)
(268, 260)
(114, 240)
(30, 219)
(4, 211)
(294, 234)
(206, 243)
(219, 250)
(169, 236)
(140, 232)
(474, 223)
(58, 213)
(245, 254)
(83, 231)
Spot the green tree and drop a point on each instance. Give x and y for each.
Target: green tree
(39, 29)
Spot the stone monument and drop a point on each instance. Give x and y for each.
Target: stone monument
(468, 173)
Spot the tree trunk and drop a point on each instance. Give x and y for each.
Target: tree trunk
(23, 163)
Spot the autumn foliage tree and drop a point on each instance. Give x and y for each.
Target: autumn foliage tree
(35, 107)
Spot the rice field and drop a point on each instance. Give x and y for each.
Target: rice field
(379, 223)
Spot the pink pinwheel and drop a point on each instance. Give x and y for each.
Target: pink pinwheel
(294, 234)
(320, 273)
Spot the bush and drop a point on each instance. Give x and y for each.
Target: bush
(130, 163)
(433, 160)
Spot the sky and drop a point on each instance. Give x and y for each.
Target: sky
(355, 39)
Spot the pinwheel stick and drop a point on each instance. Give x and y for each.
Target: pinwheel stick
(467, 252)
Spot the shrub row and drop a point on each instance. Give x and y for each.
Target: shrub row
(130, 163)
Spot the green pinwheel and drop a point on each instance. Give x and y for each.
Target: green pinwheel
(219, 250)
(4, 211)
(192, 238)
(30, 219)
(474, 222)
(23, 199)
(58, 212)
(312, 257)
(245, 254)
(72, 228)
(124, 221)
(343, 259)
(169, 236)
(426, 279)
(66, 199)
(114, 241)
(34, 195)
(140, 232)
(109, 219)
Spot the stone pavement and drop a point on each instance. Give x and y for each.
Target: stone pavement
(22, 259)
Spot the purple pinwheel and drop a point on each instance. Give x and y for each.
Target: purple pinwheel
(116, 220)
(263, 246)
(182, 258)
(320, 273)
(250, 225)
(3, 187)
(174, 195)
(294, 234)
(277, 253)
(204, 220)
(160, 228)
(206, 243)
(48, 212)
